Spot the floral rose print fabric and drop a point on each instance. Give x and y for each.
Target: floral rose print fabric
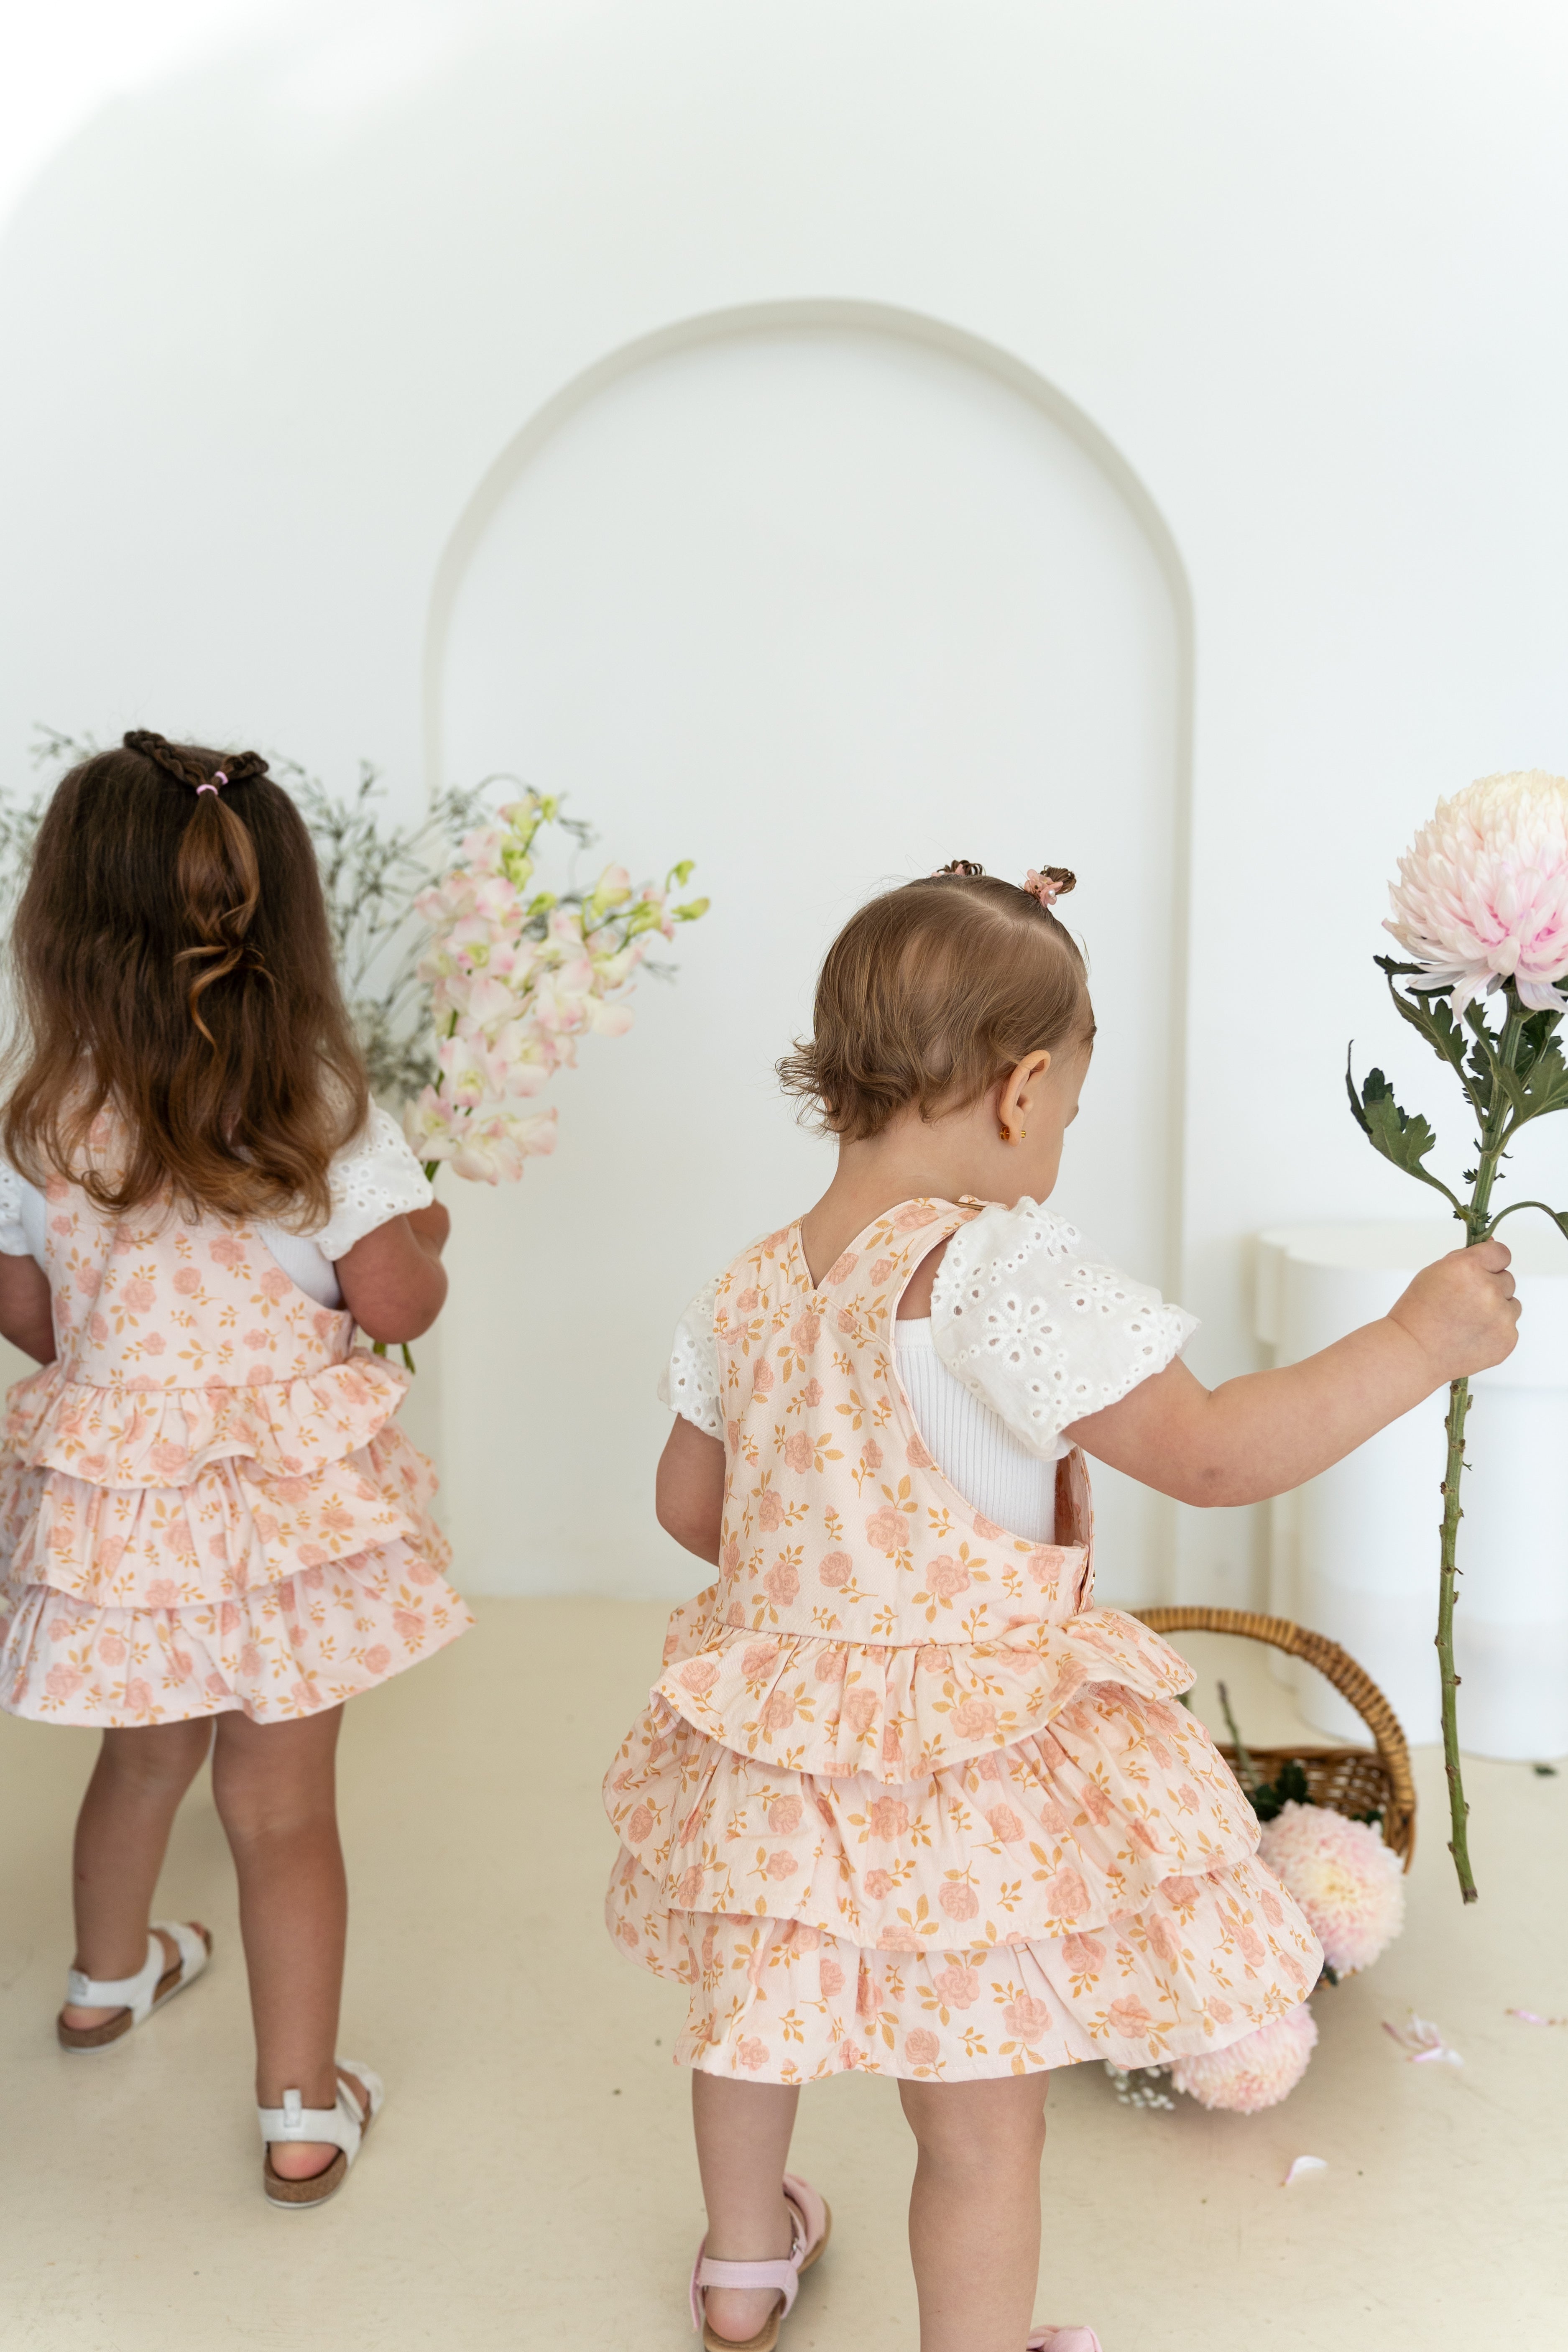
(204, 1502)
(902, 1797)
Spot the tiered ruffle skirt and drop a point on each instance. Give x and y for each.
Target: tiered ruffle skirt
(172, 1552)
(948, 1861)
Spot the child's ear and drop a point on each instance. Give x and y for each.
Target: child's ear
(1017, 1091)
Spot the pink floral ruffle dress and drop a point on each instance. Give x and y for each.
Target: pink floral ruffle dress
(204, 1501)
(903, 1797)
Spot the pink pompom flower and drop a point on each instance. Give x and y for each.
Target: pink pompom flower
(1254, 2073)
(1482, 894)
(1349, 1884)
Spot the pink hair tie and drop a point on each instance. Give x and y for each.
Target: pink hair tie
(1053, 884)
(219, 778)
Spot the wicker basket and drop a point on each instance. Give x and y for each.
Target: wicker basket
(1351, 1780)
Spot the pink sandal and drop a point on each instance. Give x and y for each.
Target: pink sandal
(1063, 2339)
(813, 2227)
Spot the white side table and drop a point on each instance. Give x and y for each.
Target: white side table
(1354, 1552)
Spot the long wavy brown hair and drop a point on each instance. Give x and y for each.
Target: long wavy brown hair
(172, 964)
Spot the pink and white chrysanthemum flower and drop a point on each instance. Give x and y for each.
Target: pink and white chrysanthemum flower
(1482, 894)
(1254, 2073)
(1348, 1883)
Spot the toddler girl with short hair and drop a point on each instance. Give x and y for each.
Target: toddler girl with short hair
(904, 1800)
(211, 1530)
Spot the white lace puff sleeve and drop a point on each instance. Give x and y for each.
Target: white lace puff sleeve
(1040, 1328)
(14, 1241)
(688, 1383)
(376, 1179)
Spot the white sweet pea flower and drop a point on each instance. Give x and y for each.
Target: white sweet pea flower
(430, 1125)
(514, 978)
(616, 965)
(608, 1020)
(613, 888)
(465, 1080)
(521, 1058)
(493, 1148)
(488, 1002)
(560, 997)
(496, 898)
(482, 850)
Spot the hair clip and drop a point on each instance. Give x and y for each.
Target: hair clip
(1052, 884)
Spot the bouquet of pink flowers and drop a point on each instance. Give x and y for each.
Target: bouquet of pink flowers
(516, 974)
(1481, 910)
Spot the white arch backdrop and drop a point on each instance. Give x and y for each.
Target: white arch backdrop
(821, 592)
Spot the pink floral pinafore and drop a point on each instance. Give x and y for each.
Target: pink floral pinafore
(902, 1797)
(204, 1501)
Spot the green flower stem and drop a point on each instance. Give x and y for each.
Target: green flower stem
(1509, 1076)
(1458, 1808)
(1479, 1225)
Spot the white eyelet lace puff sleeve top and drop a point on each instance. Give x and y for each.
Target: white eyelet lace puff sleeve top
(373, 1180)
(688, 1383)
(1040, 1328)
(1025, 1314)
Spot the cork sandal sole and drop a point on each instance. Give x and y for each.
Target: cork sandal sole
(356, 2082)
(295, 2195)
(81, 2039)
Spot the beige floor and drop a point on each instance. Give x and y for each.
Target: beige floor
(532, 2183)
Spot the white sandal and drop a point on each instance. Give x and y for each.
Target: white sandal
(1063, 2339)
(342, 2127)
(135, 1998)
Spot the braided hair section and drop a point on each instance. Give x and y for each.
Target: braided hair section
(216, 872)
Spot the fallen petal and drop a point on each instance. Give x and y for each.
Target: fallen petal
(1303, 2165)
(1422, 2042)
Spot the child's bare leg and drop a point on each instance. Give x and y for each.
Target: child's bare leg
(974, 2213)
(121, 1835)
(275, 1788)
(743, 2146)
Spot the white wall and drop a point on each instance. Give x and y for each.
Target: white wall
(828, 603)
(270, 330)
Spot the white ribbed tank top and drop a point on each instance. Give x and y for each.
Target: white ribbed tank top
(972, 1446)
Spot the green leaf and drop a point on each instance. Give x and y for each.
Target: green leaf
(1288, 1787)
(1401, 1138)
(1433, 1020)
(693, 910)
(1533, 1088)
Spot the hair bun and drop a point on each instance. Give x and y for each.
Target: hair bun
(1051, 883)
(963, 866)
(244, 765)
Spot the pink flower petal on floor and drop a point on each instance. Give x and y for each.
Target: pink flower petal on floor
(1422, 2041)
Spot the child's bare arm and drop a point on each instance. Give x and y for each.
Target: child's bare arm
(394, 1283)
(689, 1494)
(27, 1317)
(1265, 1433)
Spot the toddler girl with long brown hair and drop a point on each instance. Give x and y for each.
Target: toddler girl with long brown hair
(214, 1531)
(904, 1800)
